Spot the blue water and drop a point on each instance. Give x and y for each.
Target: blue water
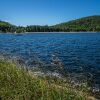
(78, 52)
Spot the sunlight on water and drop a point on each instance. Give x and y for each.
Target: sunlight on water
(75, 54)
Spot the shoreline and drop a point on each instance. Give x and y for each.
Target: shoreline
(62, 32)
(46, 32)
(39, 73)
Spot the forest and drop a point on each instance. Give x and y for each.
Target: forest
(85, 24)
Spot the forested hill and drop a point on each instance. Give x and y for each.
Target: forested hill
(91, 23)
(6, 27)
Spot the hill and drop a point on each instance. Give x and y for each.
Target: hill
(91, 23)
(6, 27)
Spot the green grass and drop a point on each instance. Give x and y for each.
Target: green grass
(18, 84)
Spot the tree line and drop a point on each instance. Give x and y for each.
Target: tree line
(7, 27)
(91, 23)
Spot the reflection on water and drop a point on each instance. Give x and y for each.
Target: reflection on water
(76, 54)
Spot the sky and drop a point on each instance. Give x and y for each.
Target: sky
(46, 12)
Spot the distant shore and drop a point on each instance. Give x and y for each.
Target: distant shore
(62, 32)
(52, 32)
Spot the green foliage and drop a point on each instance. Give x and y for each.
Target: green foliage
(85, 24)
(91, 23)
(18, 84)
(6, 27)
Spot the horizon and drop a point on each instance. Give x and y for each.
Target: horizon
(45, 12)
(50, 25)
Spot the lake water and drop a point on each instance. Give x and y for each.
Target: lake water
(78, 53)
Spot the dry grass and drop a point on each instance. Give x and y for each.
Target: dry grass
(18, 84)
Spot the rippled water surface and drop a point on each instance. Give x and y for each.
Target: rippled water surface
(78, 52)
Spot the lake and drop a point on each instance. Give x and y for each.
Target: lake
(76, 54)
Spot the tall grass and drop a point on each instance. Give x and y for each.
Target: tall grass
(18, 84)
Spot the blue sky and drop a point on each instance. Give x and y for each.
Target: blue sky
(46, 12)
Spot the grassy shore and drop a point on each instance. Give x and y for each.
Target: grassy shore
(19, 84)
